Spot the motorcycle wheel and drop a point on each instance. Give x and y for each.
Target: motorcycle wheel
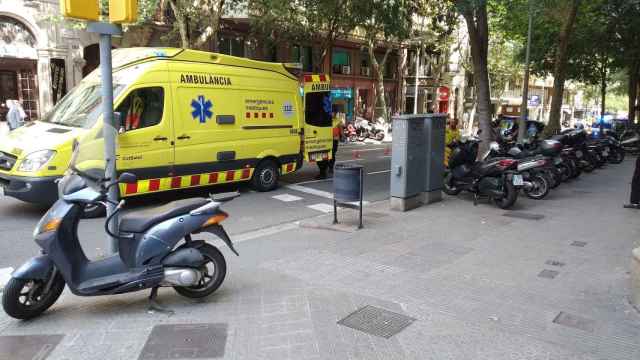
(449, 188)
(214, 271)
(617, 157)
(540, 187)
(23, 299)
(510, 196)
(380, 136)
(553, 177)
(565, 172)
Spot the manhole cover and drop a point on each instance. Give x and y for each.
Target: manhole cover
(185, 341)
(526, 216)
(376, 321)
(579, 243)
(548, 274)
(554, 263)
(575, 321)
(28, 347)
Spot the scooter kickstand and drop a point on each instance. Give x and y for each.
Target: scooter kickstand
(154, 306)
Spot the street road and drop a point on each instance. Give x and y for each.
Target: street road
(299, 196)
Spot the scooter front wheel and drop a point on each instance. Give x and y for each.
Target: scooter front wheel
(26, 299)
(213, 271)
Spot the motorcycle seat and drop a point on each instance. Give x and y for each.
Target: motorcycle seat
(138, 221)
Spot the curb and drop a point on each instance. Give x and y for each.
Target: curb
(635, 278)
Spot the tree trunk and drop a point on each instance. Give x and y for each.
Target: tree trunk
(378, 70)
(634, 71)
(210, 34)
(560, 70)
(603, 89)
(182, 24)
(478, 28)
(401, 103)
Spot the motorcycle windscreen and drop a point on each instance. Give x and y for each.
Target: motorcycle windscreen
(318, 137)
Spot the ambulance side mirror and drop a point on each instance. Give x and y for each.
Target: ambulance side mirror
(118, 121)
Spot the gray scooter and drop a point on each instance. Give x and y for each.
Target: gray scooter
(155, 249)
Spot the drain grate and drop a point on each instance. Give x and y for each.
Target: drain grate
(28, 347)
(548, 274)
(526, 216)
(554, 263)
(185, 341)
(579, 243)
(575, 321)
(377, 322)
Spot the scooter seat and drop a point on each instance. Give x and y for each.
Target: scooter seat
(141, 220)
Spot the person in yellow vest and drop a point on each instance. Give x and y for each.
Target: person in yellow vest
(328, 165)
(451, 133)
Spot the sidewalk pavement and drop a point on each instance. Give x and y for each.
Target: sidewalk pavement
(479, 282)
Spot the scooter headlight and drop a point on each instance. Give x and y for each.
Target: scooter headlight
(36, 160)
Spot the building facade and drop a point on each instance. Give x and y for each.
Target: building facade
(40, 59)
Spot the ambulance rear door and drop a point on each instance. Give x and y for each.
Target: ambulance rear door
(318, 137)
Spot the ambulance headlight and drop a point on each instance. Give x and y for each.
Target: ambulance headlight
(36, 160)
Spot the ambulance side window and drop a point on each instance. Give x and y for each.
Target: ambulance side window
(142, 108)
(318, 109)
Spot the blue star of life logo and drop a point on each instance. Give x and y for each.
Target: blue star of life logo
(201, 109)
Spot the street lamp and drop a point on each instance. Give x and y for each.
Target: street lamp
(524, 109)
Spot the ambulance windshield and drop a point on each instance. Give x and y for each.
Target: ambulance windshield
(80, 107)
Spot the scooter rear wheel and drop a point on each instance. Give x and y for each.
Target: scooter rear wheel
(509, 198)
(23, 299)
(214, 271)
(449, 187)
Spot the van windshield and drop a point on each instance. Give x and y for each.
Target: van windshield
(80, 107)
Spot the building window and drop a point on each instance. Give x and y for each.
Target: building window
(365, 65)
(231, 45)
(341, 62)
(389, 67)
(304, 56)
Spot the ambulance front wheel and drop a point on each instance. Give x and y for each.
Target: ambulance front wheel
(265, 177)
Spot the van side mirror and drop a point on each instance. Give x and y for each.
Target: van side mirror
(127, 178)
(117, 122)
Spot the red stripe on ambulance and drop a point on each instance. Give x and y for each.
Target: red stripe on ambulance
(195, 180)
(131, 188)
(246, 173)
(213, 178)
(175, 182)
(154, 185)
(230, 174)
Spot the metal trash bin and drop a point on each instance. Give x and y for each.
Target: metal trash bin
(348, 187)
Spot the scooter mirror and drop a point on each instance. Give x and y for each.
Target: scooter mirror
(127, 178)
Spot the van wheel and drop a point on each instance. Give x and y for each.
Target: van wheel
(265, 177)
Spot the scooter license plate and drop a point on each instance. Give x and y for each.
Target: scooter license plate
(605, 153)
(579, 153)
(517, 180)
(607, 149)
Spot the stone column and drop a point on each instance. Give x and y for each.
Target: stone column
(635, 278)
(44, 81)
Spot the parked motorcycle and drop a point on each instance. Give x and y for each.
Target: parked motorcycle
(534, 169)
(156, 248)
(497, 179)
(630, 142)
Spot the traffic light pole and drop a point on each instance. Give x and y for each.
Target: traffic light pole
(110, 131)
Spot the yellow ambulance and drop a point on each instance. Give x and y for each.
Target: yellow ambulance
(187, 119)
